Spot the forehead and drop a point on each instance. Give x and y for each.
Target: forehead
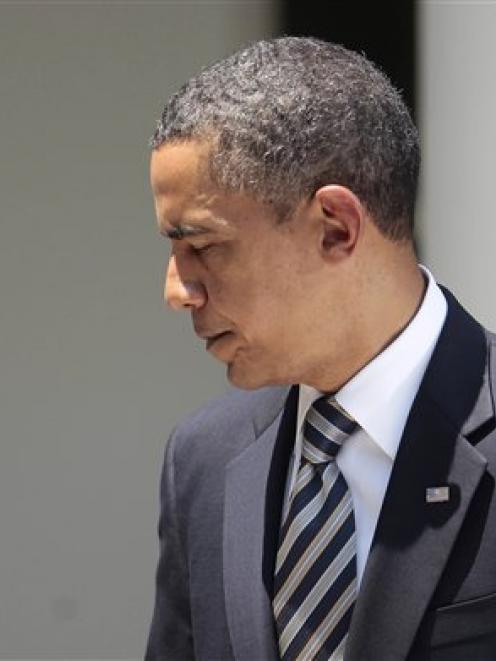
(179, 167)
(184, 192)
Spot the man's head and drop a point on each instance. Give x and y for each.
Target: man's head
(285, 176)
(287, 116)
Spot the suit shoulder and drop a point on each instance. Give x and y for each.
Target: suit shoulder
(230, 422)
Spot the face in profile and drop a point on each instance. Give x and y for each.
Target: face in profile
(247, 280)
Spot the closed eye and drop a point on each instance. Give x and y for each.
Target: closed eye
(200, 250)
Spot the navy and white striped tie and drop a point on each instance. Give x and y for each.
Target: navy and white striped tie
(315, 582)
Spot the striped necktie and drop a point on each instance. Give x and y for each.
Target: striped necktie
(315, 581)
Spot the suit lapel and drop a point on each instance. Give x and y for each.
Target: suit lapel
(253, 503)
(413, 538)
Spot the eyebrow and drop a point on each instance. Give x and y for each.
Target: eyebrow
(181, 231)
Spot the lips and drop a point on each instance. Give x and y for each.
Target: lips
(212, 339)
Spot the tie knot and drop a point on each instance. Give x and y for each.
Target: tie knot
(327, 425)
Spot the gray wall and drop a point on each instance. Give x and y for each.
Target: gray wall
(93, 372)
(457, 90)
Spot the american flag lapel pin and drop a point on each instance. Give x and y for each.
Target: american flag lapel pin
(437, 494)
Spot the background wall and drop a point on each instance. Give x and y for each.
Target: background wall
(457, 110)
(93, 372)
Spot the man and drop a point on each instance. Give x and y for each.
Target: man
(339, 502)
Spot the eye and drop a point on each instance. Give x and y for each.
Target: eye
(202, 250)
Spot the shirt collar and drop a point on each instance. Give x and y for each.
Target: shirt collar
(380, 396)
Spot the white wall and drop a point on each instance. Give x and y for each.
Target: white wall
(457, 94)
(93, 372)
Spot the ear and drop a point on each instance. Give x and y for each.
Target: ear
(342, 220)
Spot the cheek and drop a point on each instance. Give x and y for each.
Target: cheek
(261, 302)
(270, 327)
(232, 294)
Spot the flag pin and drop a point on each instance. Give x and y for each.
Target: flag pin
(437, 494)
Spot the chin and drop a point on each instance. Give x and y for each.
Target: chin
(244, 380)
(251, 377)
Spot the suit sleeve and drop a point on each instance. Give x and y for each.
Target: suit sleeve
(170, 636)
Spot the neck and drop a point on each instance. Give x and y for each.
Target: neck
(385, 301)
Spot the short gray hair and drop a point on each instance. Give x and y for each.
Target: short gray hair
(289, 115)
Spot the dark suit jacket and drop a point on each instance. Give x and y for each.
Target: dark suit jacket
(429, 587)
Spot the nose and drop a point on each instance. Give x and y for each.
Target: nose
(181, 293)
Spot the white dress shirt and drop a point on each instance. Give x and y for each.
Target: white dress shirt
(379, 397)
